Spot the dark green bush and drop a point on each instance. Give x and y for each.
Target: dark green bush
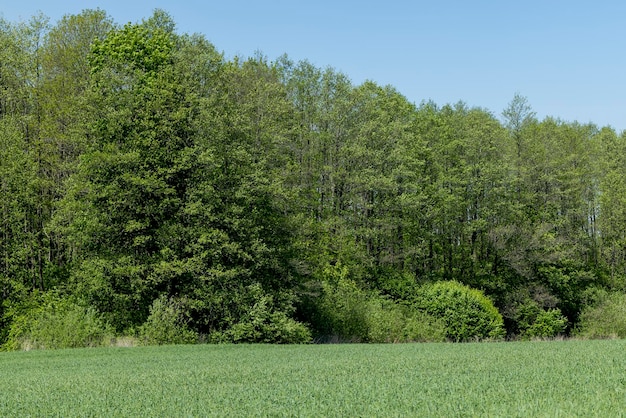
(389, 322)
(535, 322)
(525, 314)
(547, 324)
(467, 313)
(606, 318)
(51, 322)
(342, 312)
(166, 324)
(346, 313)
(265, 322)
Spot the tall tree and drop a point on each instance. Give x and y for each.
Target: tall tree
(21, 79)
(377, 171)
(130, 182)
(238, 200)
(178, 195)
(323, 104)
(467, 180)
(18, 192)
(612, 203)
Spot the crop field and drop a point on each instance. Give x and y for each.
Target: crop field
(561, 378)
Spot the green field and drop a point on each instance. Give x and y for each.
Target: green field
(564, 378)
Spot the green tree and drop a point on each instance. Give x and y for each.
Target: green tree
(18, 180)
(127, 190)
(66, 80)
(612, 212)
(239, 197)
(42, 78)
(378, 171)
(550, 242)
(467, 185)
(21, 80)
(179, 195)
(322, 102)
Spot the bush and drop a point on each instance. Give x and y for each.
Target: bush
(166, 324)
(535, 322)
(50, 322)
(342, 312)
(346, 313)
(606, 318)
(467, 313)
(264, 322)
(389, 322)
(547, 324)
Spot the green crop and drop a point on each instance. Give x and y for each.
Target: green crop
(561, 378)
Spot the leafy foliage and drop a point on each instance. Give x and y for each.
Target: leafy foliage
(536, 321)
(264, 322)
(168, 189)
(467, 313)
(343, 312)
(547, 324)
(605, 318)
(48, 321)
(166, 324)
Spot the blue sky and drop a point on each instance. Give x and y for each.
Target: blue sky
(567, 57)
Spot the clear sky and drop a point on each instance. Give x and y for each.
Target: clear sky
(567, 57)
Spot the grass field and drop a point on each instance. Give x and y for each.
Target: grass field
(555, 379)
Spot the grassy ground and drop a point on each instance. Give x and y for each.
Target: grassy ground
(566, 378)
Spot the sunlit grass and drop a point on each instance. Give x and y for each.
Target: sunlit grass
(563, 378)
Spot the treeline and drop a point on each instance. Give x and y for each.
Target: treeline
(152, 189)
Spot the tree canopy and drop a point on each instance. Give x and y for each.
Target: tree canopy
(165, 192)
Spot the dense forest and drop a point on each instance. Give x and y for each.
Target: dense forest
(151, 189)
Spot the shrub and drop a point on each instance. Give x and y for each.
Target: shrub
(342, 312)
(265, 322)
(346, 313)
(166, 324)
(467, 313)
(547, 324)
(525, 314)
(606, 318)
(422, 327)
(389, 322)
(51, 322)
(535, 322)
